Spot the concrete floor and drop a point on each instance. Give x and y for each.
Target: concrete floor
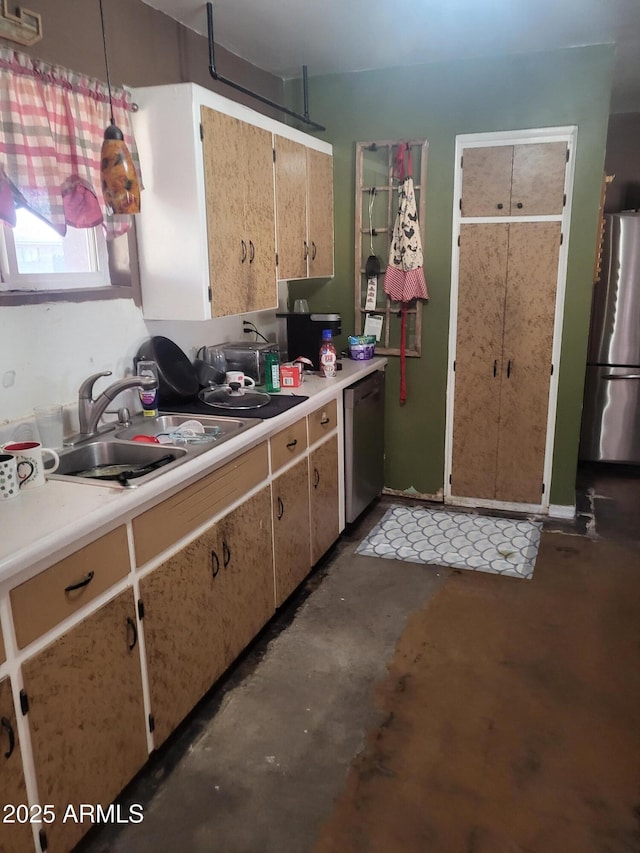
(259, 764)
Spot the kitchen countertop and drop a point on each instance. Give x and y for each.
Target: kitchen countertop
(45, 524)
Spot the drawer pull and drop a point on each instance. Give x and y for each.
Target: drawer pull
(280, 508)
(79, 584)
(226, 554)
(325, 420)
(314, 251)
(243, 256)
(316, 478)
(12, 738)
(292, 443)
(252, 251)
(215, 564)
(131, 624)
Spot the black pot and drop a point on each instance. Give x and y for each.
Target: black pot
(177, 377)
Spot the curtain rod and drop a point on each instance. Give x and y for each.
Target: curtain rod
(212, 70)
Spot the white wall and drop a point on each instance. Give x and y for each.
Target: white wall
(47, 350)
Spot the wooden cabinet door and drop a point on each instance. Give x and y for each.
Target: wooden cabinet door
(291, 206)
(514, 180)
(534, 249)
(238, 169)
(182, 631)
(290, 507)
(324, 503)
(538, 180)
(244, 586)
(223, 153)
(320, 205)
(14, 837)
(259, 216)
(486, 181)
(86, 715)
(481, 296)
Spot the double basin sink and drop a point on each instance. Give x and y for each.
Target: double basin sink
(115, 459)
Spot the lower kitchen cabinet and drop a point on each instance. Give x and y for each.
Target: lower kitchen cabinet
(290, 507)
(86, 715)
(183, 631)
(245, 582)
(324, 497)
(203, 606)
(14, 837)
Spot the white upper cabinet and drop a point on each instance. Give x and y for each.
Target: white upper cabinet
(207, 231)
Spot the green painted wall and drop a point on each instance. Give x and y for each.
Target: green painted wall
(439, 101)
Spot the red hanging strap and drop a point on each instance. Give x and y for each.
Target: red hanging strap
(403, 349)
(402, 164)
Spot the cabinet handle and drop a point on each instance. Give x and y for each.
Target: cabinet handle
(280, 508)
(243, 257)
(519, 205)
(252, 251)
(6, 724)
(306, 250)
(131, 624)
(508, 368)
(316, 478)
(226, 554)
(86, 580)
(500, 206)
(325, 420)
(292, 443)
(215, 563)
(313, 251)
(495, 367)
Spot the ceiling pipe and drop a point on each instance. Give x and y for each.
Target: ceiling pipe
(305, 84)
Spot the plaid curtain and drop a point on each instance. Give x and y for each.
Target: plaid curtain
(52, 124)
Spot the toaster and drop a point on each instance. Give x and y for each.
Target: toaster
(240, 355)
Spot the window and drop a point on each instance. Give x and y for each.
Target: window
(35, 257)
(58, 238)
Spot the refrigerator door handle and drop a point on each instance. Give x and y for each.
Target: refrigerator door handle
(617, 376)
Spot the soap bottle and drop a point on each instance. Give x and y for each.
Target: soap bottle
(272, 372)
(328, 357)
(148, 397)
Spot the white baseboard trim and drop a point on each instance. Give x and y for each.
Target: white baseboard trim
(561, 511)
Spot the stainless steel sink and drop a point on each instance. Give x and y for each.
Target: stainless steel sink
(115, 463)
(142, 461)
(216, 430)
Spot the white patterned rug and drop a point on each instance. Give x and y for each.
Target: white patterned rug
(462, 540)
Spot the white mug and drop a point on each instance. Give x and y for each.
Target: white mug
(30, 463)
(237, 381)
(8, 477)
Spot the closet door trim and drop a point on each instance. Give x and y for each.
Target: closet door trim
(568, 134)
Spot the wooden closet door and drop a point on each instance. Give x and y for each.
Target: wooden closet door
(481, 296)
(527, 349)
(538, 179)
(486, 181)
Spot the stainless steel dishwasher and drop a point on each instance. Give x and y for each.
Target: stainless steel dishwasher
(363, 443)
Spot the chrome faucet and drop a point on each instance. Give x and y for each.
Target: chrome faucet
(90, 411)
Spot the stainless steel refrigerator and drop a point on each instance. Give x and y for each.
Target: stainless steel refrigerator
(611, 412)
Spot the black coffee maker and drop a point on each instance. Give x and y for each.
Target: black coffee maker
(304, 334)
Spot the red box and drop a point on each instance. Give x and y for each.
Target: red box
(291, 375)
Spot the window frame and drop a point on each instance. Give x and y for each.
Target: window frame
(122, 272)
